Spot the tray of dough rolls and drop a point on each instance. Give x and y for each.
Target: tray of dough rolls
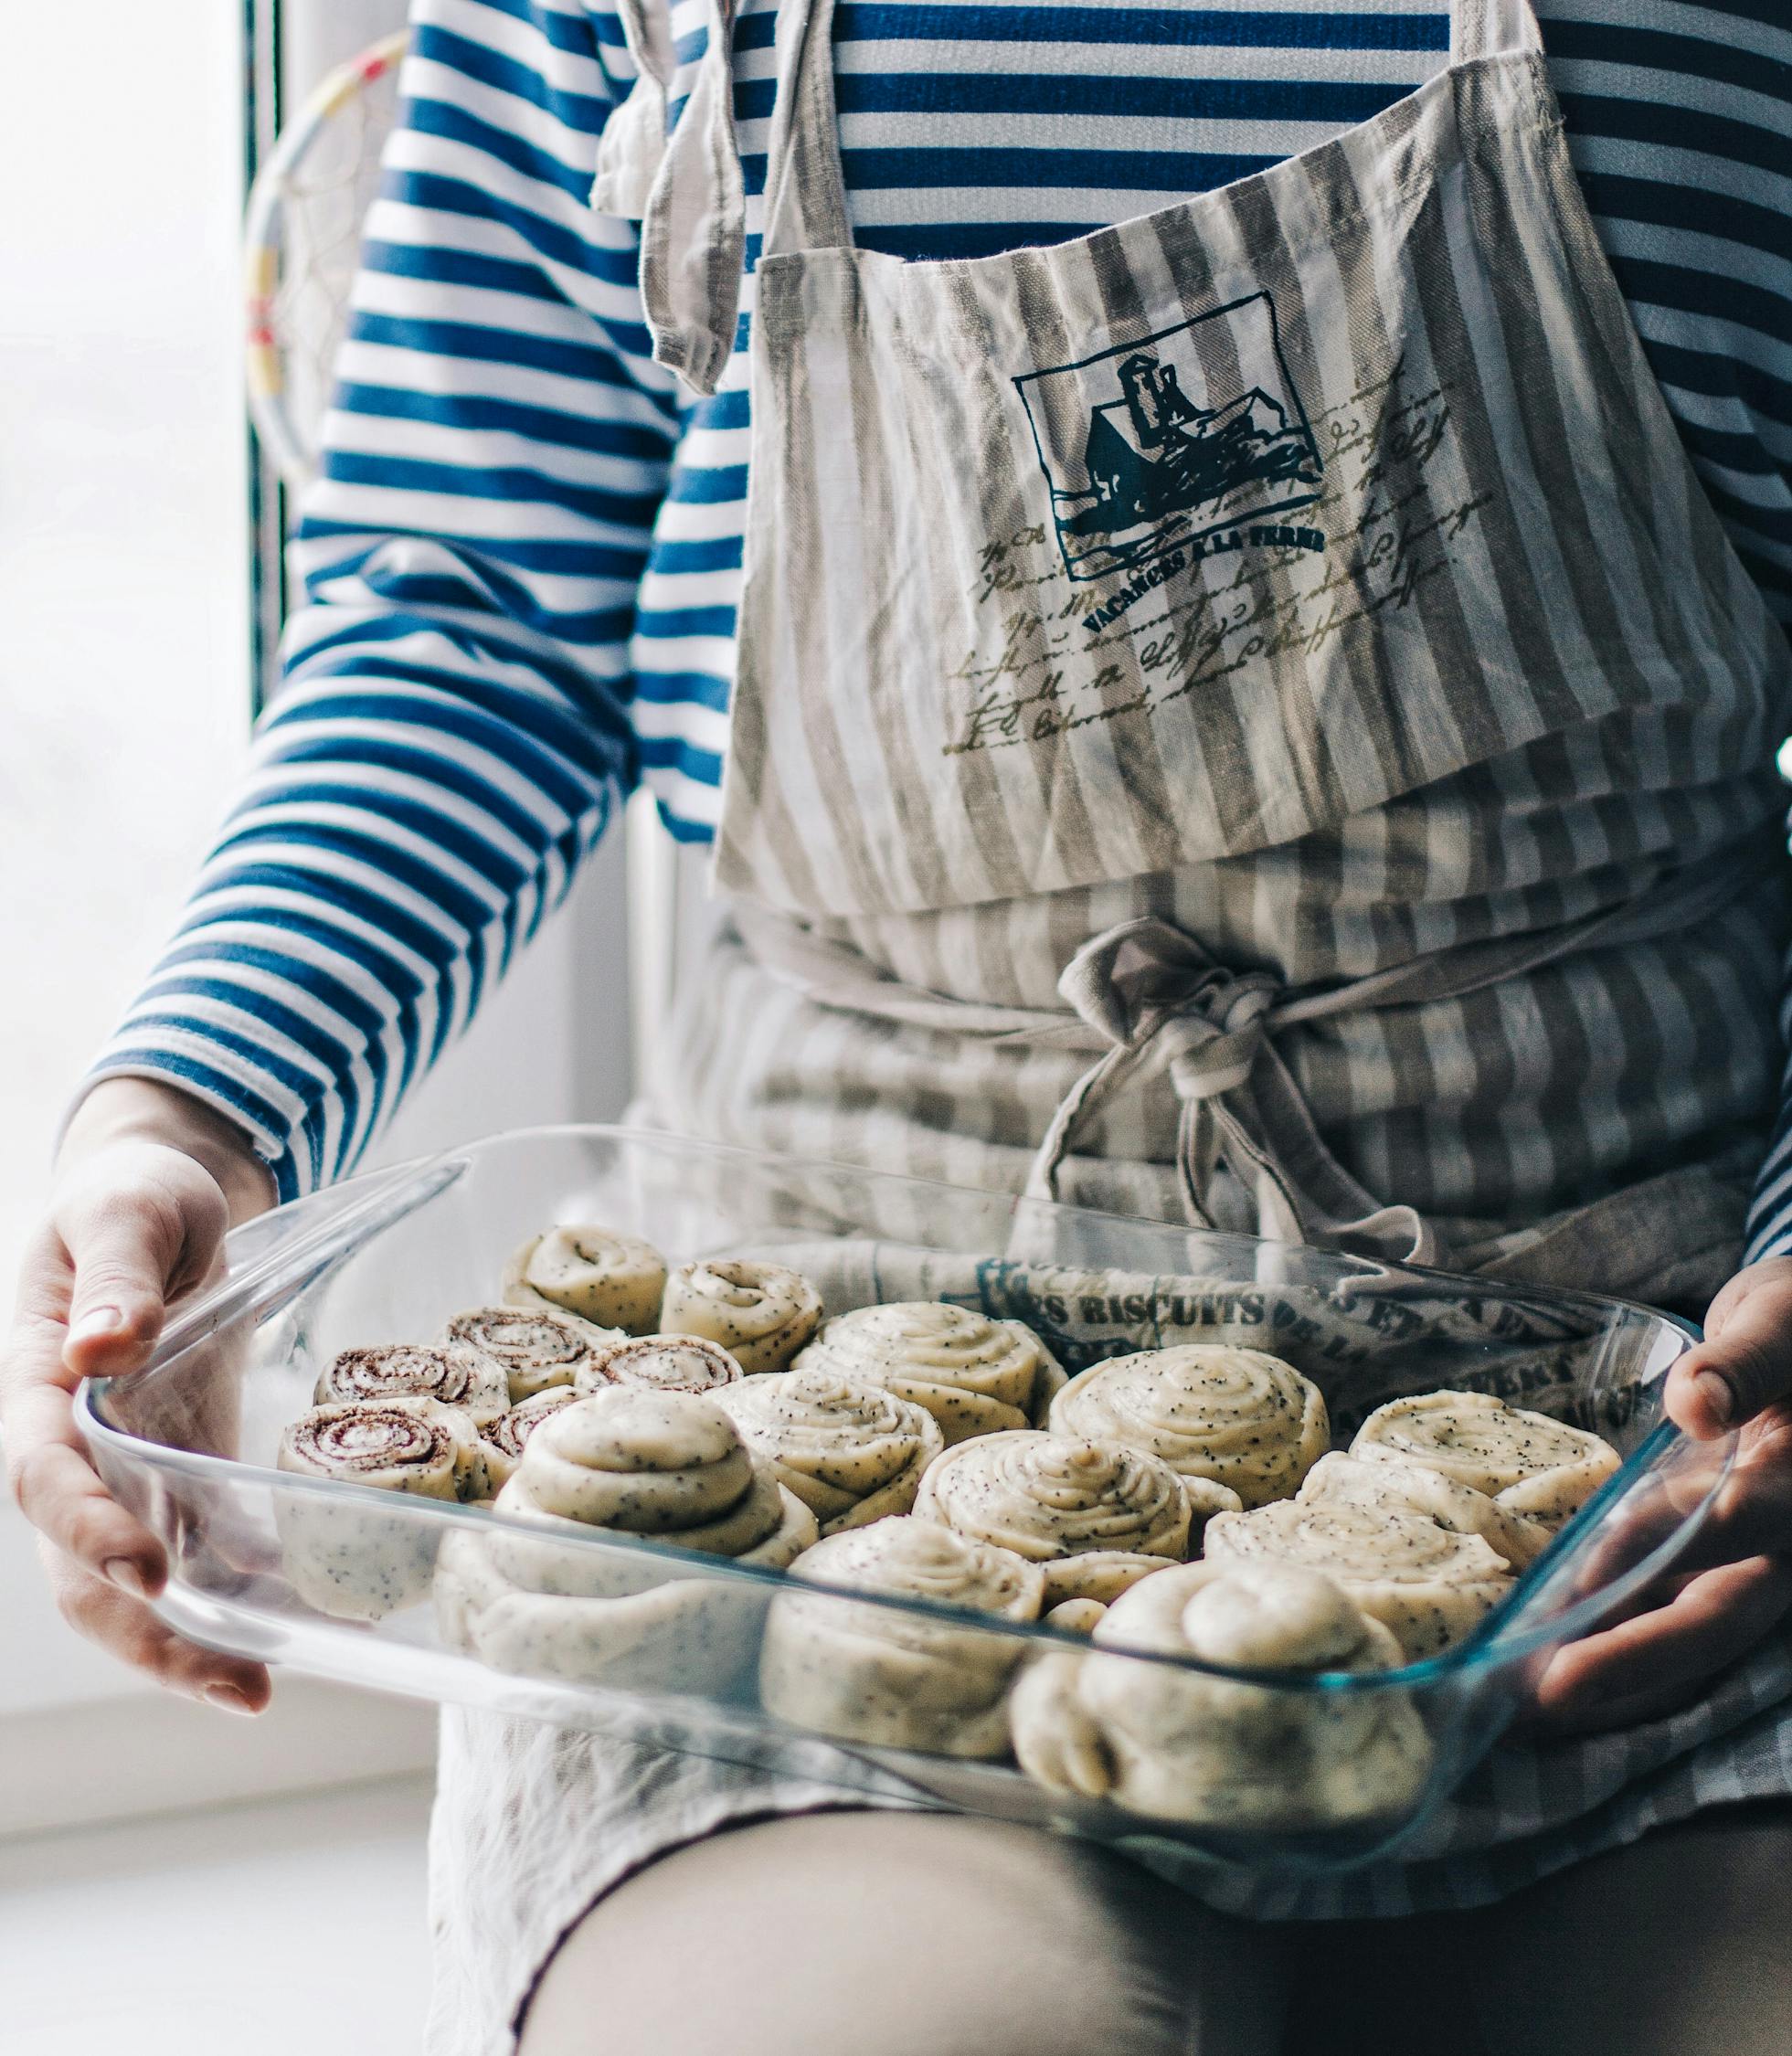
(1109, 1525)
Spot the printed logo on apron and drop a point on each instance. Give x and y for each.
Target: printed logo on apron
(1153, 447)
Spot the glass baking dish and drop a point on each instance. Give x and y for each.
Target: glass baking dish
(189, 1444)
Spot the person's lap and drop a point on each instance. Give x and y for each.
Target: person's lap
(919, 1934)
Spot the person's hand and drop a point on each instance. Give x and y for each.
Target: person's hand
(1735, 1584)
(147, 1182)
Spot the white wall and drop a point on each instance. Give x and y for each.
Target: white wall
(123, 663)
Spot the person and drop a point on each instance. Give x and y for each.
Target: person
(1267, 541)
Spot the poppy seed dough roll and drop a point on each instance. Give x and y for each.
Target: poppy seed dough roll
(350, 1560)
(1184, 1746)
(503, 1441)
(1531, 1464)
(660, 1363)
(537, 1346)
(762, 1314)
(1410, 1488)
(452, 1373)
(1095, 1517)
(612, 1280)
(851, 1453)
(1431, 1587)
(664, 1467)
(974, 1375)
(878, 1675)
(1240, 1417)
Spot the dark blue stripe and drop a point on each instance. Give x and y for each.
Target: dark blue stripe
(691, 688)
(438, 193)
(479, 61)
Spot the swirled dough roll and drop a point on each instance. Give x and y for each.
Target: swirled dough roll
(662, 1363)
(875, 1674)
(453, 1374)
(1534, 1466)
(668, 1467)
(1429, 1585)
(538, 1349)
(851, 1453)
(1175, 1744)
(503, 1440)
(1094, 1516)
(974, 1375)
(1242, 1418)
(612, 1280)
(1410, 1488)
(351, 1560)
(761, 1314)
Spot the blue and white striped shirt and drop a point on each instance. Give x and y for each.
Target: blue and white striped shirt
(522, 561)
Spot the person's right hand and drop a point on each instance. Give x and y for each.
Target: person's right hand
(146, 1183)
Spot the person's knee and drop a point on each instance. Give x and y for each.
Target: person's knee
(894, 1934)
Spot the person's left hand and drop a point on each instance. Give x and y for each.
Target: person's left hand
(1645, 1667)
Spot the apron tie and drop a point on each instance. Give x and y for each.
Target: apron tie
(1162, 1002)
(1145, 996)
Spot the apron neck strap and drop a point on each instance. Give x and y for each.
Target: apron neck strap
(805, 199)
(1485, 28)
(693, 218)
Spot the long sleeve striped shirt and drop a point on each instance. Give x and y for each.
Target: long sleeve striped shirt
(522, 559)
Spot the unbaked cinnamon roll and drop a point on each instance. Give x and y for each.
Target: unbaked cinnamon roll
(974, 1375)
(1430, 1586)
(347, 1558)
(1410, 1488)
(452, 1373)
(665, 1467)
(875, 1674)
(659, 1362)
(1242, 1418)
(851, 1453)
(1173, 1743)
(1095, 1517)
(612, 1280)
(1532, 1464)
(503, 1440)
(761, 1314)
(537, 1349)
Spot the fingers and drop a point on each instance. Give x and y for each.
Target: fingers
(127, 1629)
(56, 1486)
(1745, 1363)
(137, 1231)
(1647, 1667)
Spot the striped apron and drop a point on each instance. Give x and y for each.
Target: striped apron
(1245, 715)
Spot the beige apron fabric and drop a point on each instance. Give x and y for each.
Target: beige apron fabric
(1311, 572)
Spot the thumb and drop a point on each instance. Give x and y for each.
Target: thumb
(136, 1233)
(1745, 1363)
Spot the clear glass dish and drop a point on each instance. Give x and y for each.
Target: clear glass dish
(189, 1444)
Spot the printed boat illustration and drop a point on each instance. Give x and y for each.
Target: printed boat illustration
(1153, 453)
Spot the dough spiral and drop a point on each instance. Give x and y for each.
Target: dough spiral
(668, 1467)
(974, 1375)
(761, 1314)
(1095, 1517)
(504, 1439)
(875, 1674)
(1430, 1586)
(660, 1363)
(353, 1561)
(852, 1453)
(1239, 1417)
(1182, 1746)
(614, 1281)
(536, 1348)
(453, 1374)
(1532, 1464)
(1410, 1488)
